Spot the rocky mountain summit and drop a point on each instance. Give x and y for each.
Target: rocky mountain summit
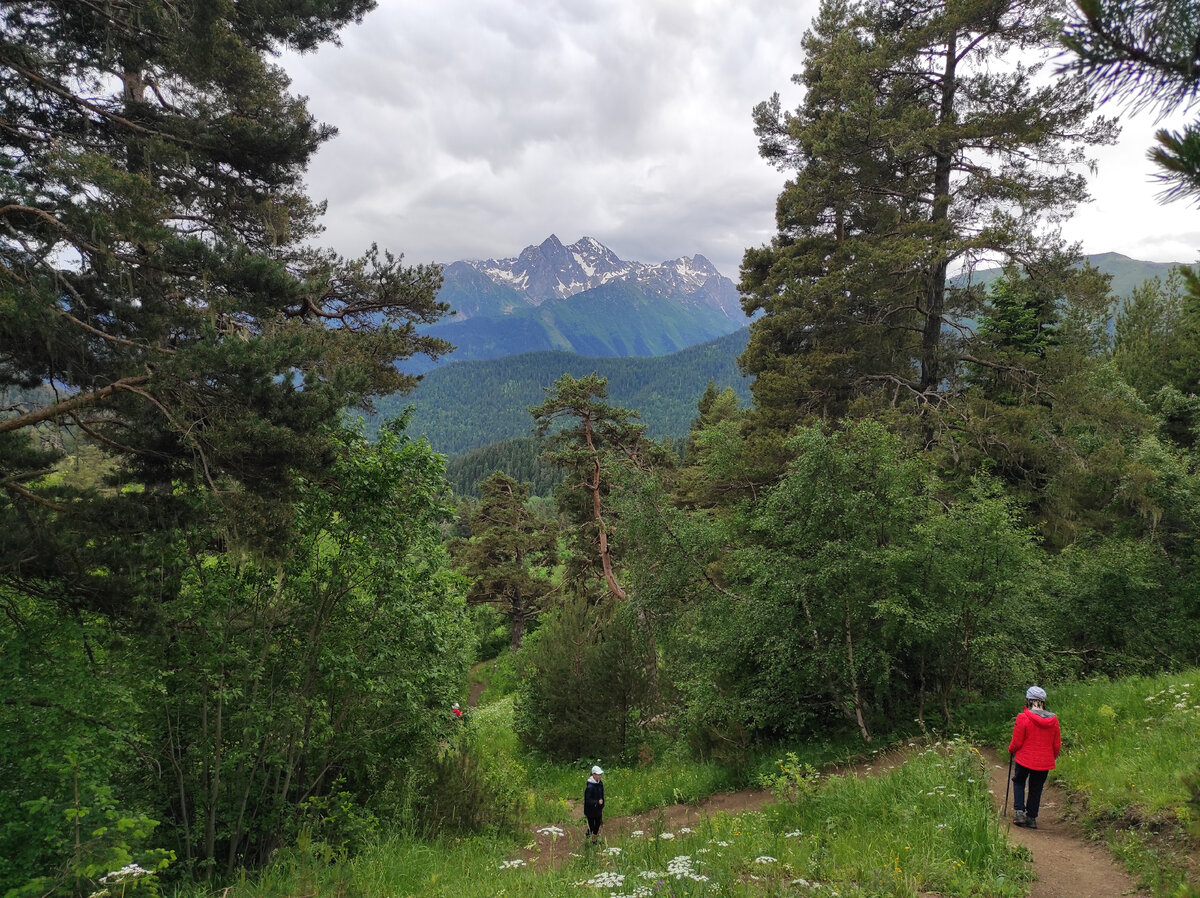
(553, 271)
(584, 298)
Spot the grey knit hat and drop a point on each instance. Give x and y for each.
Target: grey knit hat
(1035, 694)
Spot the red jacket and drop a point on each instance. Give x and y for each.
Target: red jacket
(1036, 740)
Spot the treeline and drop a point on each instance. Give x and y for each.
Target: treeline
(521, 459)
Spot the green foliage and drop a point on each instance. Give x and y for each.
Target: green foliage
(519, 458)
(281, 698)
(852, 593)
(464, 406)
(158, 270)
(70, 752)
(910, 154)
(469, 793)
(792, 781)
(509, 554)
(584, 685)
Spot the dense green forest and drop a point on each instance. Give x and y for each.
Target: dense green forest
(467, 405)
(234, 625)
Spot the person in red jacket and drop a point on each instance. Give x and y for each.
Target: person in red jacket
(1035, 744)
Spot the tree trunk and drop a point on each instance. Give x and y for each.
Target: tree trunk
(931, 373)
(856, 693)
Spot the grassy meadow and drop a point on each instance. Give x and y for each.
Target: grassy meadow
(926, 827)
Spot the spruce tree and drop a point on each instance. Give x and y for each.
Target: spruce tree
(160, 296)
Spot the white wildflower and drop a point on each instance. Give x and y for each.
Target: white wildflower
(126, 873)
(765, 859)
(551, 831)
(793, 834)
(515, 862)
(607, 880)
(612, 850)
(666, 835)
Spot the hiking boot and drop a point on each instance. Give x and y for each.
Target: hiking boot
(1019, 818)
(1031, 822)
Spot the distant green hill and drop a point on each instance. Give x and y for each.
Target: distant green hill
(465, 405)
(519, 458)
(1126, 273)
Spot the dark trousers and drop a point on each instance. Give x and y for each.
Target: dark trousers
(594, 821)
(1037, 779)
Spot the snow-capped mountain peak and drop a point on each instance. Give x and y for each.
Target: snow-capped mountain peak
(551, 271)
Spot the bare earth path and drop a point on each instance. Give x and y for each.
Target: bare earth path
(1065, 863)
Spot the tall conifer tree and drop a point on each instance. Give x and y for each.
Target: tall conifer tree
(159, 297)
(924, 143)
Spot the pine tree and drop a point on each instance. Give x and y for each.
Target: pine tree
(508, 553)
(1146, 53)
(912, 153)
(157, 277)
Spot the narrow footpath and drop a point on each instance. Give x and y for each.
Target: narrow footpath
(1065, 863)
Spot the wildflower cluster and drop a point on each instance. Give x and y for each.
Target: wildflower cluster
(555, 831)
(125, 874)
(607, 879)
(1173, 698)
(681, 868)
(515, 862)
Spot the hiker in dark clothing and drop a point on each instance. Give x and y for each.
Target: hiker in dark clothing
(1036, 742)
(593, 802)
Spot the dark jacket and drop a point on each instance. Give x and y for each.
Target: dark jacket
(593, 798)
(1036, 739)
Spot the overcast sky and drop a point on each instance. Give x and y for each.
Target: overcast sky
(473, 128)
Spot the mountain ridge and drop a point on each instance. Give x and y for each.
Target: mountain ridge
(580, 298)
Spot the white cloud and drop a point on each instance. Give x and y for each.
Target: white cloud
(472, 128)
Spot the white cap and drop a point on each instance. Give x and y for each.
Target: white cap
(597, 771)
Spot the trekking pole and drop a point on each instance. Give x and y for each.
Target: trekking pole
(1007, 786)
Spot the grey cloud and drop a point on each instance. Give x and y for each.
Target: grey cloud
(471, 128)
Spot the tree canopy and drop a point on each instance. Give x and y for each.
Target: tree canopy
(914, 155)
(160, 296)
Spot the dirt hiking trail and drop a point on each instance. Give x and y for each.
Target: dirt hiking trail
(1065, 864)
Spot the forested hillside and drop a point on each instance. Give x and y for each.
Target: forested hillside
(467, 405)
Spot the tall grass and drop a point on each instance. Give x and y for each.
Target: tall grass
(927, 826)
(1128, 746)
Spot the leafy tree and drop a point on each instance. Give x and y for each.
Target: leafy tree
(156, 272)
(265, 691)
(911, 154)
(508, 554)
(584, 686)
